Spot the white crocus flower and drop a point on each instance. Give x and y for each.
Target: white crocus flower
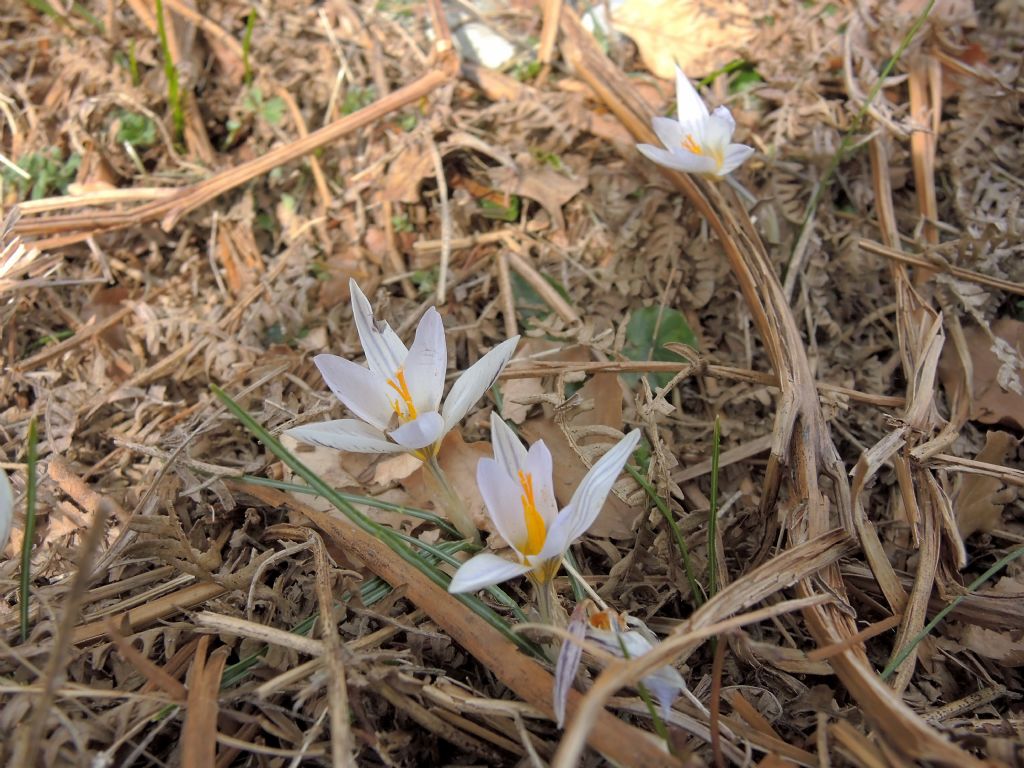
(628, 637)
(698, 142)
(397, 398)
(620, 635)
(518, 489)
(6, 509)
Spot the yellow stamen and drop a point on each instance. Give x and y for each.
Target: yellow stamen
(536, 530)
(691, 145)
(403, 406)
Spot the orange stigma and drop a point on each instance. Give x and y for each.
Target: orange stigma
(608, 620)
(536, 530)
(403, 405)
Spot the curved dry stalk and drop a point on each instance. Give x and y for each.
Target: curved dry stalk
(802, 441)
(525, 677)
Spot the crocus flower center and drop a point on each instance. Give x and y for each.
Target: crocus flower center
(536, 530)
(402, 405)
(690, 145)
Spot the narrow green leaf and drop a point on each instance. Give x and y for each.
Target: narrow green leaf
(684, 551)
(30, 527)
(171, 73)
(716, 442)
(250, 25)
(996, 567)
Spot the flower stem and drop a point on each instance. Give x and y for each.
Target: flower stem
(454, 507)
(548, 607)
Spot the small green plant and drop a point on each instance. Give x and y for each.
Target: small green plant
(492, 209)
(48, 173)
(271, 110)
(255, 106)
(526, 71)
(745, 78)
(400, 222)
(408, 122)
(320, 270)
(647, 333)
(136, 129)
(549, 159)
(425, 280)
(528, 302)
(402, 9)
(355, 99)
(266, 222)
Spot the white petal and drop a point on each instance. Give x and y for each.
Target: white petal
(589, 498)
(735, 156)
(684, 161)
(717, 133)
(345, 435)
(472, 384)
(502, 494)
(360, 389)
(384, 351)
(6, 509)
(569, 661)
(666, 684)
(670, 132)
(509, 451)
(688, 101)
(539, 467)
(723, 113)
(484, 570)
(424, 430)
(427, 363)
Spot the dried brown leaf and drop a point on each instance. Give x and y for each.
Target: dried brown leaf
(551, 188)
(998, 397)
(1007, 648)
(701, 36)
(978, 503)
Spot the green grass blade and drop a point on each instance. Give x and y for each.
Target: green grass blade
(716, 442)
(47, 9)
(578, 592)
(30, 527)
(996, 567)
(419, 514)
(133, 64)
(383, 533)
(171, 73)
(684, 551)
(250, 25)
(354, 498)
